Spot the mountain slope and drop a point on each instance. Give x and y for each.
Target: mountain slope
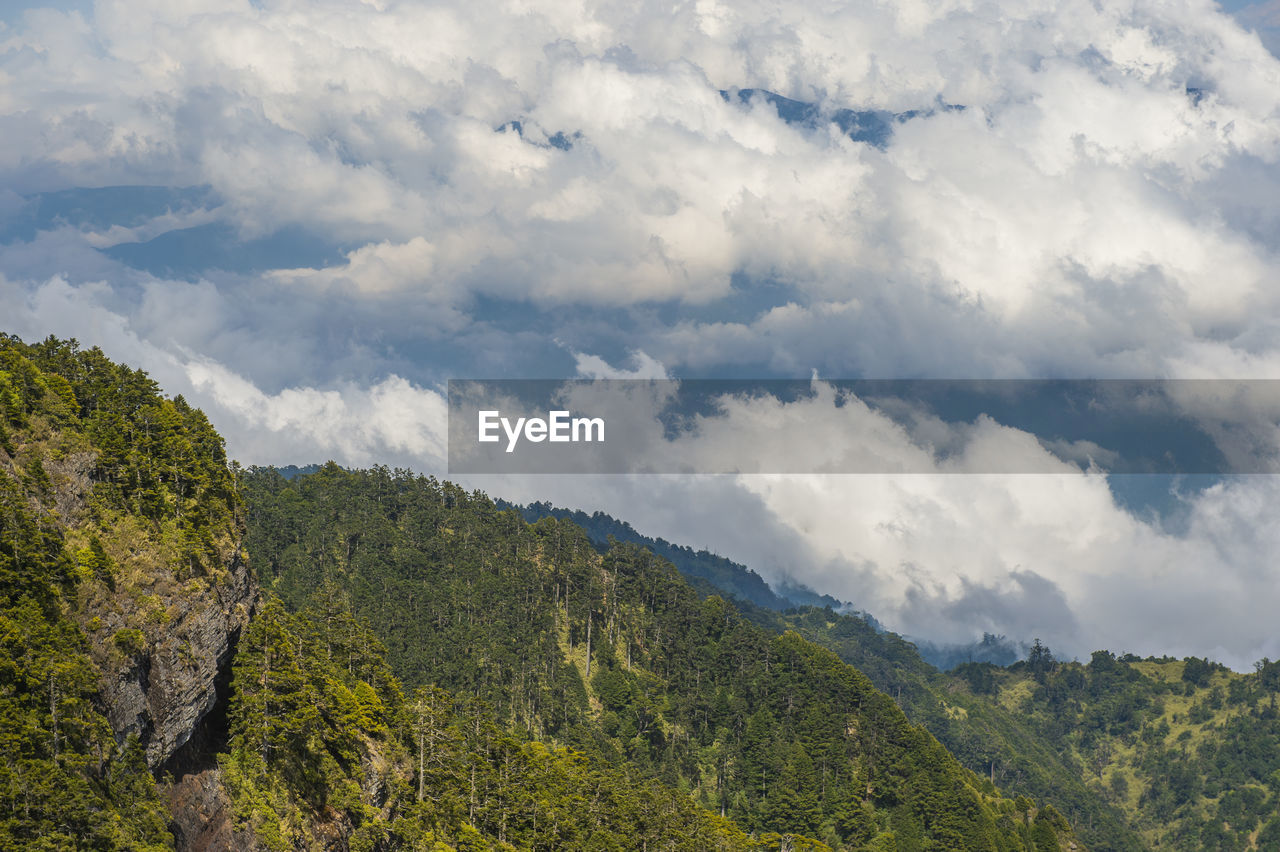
(617, 656)
(743, 584)
(596, 700)
(121, 592)
(727, 576)
(987, 737)
(1189, 750)
(326, 749)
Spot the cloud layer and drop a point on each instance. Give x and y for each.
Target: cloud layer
(381, 195)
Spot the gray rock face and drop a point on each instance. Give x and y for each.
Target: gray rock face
(164, 691)
(73, 484)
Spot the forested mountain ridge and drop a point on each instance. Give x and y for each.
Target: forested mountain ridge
(1135, 753)
(124, 593)
(616, 656)
(122, 588)
(430, 672)
(326, 750)
(608, 706)
(725, 575)
(987, 737)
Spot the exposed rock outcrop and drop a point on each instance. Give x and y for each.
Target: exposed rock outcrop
(163, 691)
(174, 692)
(121, 515)
(161, 681)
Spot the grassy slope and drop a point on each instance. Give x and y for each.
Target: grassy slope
(1191, 765)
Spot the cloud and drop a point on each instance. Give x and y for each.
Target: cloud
(1264, 17)
(595, 367)
(391, 271)
(391, 420)
(940, 556)
(951, 550)
(375, 125)
(548, 188)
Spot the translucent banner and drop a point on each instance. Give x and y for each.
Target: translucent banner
(864, 426)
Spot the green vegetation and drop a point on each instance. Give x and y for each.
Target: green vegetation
(729, 578)
(557, 697)
(1193, 765)
(325, 742)
(135, 488)
(615, 656)
(431, 672)
(1187, 750)
(984, 735)
(989, 736)
(89, 454)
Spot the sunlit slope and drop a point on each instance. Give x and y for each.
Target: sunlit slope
(616, 655)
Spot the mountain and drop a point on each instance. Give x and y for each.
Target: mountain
(991, 648)
(615, 656)
(743, 584)
(292, 470)
(407, 665)
(422, 670)
(1178, 773)
(326, 750)
(152, 699)
(123, 589)
(1153, 753)
(987, 737)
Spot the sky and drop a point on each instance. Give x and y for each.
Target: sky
(308, 216)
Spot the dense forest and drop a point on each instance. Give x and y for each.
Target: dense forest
(615, 656)
(326, 744)
(1136, 754)
(720, 575)
(1188, 750)
(991, 738)
(726, 576)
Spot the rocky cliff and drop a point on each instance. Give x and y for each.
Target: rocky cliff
(172, 693)
(164, 690)
(163, 646)
(124, 589)
(203, 816)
